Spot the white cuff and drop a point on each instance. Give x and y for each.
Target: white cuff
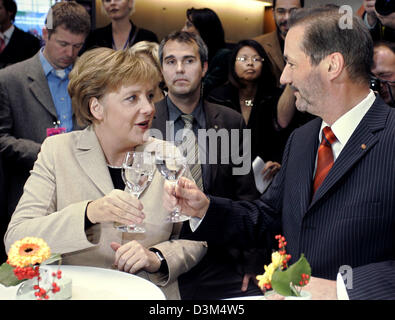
(341, 288)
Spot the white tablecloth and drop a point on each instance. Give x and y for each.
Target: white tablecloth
(89, 283)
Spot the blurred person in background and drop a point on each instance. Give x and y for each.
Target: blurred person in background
(206, 23)
(121, 33)
(15, 44)
(383, 70)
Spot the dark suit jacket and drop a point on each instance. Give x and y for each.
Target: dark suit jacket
(26, 111)
(351, 218)
(22, 46)
(219, 274)
(102, 37)
(221, 181)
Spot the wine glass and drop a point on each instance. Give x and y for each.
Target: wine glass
(171, 165)
(137, 172)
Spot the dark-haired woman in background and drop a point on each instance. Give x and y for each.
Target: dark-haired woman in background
(206, 23)
(251, 90)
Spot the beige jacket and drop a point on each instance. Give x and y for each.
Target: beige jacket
(271, 45)
(70, 171)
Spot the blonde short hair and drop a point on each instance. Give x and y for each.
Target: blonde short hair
(102, 70)
(151, 49)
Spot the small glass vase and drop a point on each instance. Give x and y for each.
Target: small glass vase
(273, 295)
(26, 289)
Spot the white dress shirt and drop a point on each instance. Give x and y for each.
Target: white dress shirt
(7, 34)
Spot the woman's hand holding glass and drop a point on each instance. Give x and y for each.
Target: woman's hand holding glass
(118, 206)
(137, 172)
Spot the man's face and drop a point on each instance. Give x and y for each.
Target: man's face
(282, 12)
(62, 47)
(5, 17)
(384, 69)
(301, 75)
(182, 69)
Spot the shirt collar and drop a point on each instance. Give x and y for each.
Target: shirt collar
(8, 33)
(175, 113)
(47, 67)
(344, 127)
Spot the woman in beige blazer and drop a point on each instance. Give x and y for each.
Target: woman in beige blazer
(69, 199)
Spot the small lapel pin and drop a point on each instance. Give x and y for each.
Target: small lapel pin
(363, 146)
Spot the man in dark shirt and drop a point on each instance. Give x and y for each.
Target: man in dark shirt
(15, 44)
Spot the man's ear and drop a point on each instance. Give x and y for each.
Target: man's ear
(96, 108)
(205, 67)
(335, 65)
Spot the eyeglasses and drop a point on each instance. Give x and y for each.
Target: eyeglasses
(245, 59)
(376, 82)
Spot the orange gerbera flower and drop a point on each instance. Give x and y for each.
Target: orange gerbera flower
(28, 251)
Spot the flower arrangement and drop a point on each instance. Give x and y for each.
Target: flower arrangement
(285, 280)
(24, 260)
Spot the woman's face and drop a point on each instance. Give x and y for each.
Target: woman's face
(248, 64)
(117, 9)
(189, 27)
(125, 116)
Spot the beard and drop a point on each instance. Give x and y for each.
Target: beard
(309, 95)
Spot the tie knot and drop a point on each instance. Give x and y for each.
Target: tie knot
(188, 120)
(328, 135)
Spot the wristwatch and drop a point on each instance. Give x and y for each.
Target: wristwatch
(161, 258)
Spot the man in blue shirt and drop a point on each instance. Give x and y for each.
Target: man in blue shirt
(34, 102)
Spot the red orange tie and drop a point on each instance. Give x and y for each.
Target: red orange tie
(325, 157)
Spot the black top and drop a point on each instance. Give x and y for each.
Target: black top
(102, 37)
(267, 139)
(116, 178)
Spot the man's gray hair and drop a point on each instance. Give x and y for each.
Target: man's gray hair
(324, 36)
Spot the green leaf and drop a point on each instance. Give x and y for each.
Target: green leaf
(282, 280)
(280, 283)
(7, 276)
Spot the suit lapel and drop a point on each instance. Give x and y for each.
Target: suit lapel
(38, 85)
(92, 161)
(359, 144)
(211, 123)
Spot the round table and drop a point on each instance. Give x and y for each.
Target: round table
(90, 283)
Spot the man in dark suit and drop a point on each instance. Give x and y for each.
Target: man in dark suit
(18, 45)
(34, 97)
(335, 201)
(184, 63)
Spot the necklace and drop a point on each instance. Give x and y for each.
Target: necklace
(247, 102)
